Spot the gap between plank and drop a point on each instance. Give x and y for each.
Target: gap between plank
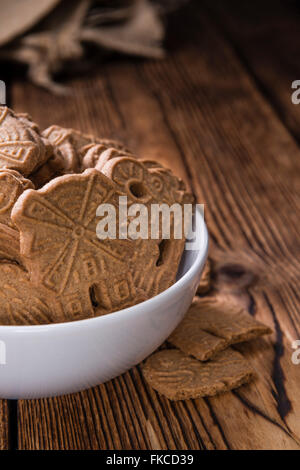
(13, 424)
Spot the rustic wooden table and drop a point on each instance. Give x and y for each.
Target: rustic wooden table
(218, 111)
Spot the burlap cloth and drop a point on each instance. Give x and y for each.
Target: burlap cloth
(47, 34)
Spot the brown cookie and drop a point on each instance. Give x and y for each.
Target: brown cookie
(211, 326)
(157, 273)
(108, 143)
(73, 145)
(10, 244)
(153, 164)
(142, 184)
(29, 123)
(180, 377)
(98, 155)
(54, 167)
(12, 185)
(21, 146)
(156, 167)
(147, 186)
(62, 252)
(205, 281)
(62, 139)
(20, 302)
(196, 342)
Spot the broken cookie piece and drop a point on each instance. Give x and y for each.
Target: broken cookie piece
(180, 377)
(211, 326)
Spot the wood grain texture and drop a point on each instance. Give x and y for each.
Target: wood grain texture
(4, 426)
(201, 113)
(265, 36)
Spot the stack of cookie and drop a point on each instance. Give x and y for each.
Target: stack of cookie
(53, 266)
(204, 363)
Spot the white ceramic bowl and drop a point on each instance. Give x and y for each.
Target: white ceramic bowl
(47, 360)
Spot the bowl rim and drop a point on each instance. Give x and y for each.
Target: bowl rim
(155, 301)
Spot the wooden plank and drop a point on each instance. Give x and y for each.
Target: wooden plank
(240, 155)
(5, 427)
(200, 113)
(266, 37)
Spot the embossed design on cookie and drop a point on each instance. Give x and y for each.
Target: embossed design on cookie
(151, 184)
(98, 155)
(12, 185)
(61, 249)
(20, 302)
(180, 377)
(73, 145)
(62, 140)
(211, 325)
(15, 145)
(10, 244)
(21, 147)
(67, 224)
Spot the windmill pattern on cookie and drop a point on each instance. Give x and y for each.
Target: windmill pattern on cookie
(63, 253)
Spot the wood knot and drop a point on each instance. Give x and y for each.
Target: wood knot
(236, 274)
